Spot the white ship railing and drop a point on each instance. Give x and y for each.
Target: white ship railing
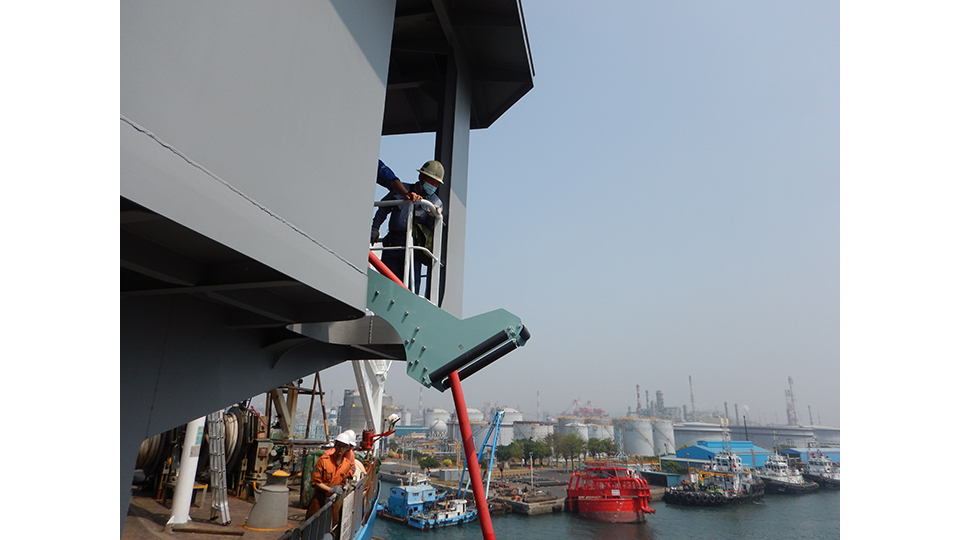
(432, 292)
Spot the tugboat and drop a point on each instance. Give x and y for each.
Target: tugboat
(779, 477)
(609, 493)
(409, 500)
(444, 514)
(722, 481)
(822, 471)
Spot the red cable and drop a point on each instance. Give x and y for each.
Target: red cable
(486, 526)
(382, 268)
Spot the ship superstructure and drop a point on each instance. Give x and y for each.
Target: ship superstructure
(247, 185)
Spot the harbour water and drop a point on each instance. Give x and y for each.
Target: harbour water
(814, 516)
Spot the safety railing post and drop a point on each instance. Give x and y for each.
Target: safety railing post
(435, 266)
(408, 248)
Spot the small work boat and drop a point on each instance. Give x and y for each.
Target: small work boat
(415, 497)
(610, 493)
(822, 471)
(779, 477)
(722, 481)
(444, 514)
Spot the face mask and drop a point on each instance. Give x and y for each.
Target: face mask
(429, 189)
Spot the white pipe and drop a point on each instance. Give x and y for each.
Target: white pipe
(408, 249)
(371, 376)
(180, 509)
(435, 267)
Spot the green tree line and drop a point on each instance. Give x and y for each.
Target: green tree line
(569, 447)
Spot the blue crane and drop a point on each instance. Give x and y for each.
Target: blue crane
(487, 444)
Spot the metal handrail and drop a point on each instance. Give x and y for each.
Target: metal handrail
(433, 294)
(319, 525)
(315, 527)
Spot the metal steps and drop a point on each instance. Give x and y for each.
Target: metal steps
(219, 508)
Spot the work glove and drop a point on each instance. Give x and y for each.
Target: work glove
(374, 236)
(336, 490)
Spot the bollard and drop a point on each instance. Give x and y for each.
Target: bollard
(270, 511)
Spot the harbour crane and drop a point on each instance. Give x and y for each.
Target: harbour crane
(487, 445)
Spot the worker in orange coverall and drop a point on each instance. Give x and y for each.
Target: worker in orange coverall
(332, 471)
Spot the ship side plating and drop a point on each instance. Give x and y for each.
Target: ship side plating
(249, 138)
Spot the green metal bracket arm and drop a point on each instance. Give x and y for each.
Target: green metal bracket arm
(435, 342)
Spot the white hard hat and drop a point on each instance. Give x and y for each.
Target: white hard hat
(433, 169)
(348, 438)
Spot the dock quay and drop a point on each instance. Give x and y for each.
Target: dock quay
(530, 508)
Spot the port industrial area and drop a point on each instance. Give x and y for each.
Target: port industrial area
(271, 446)
(653, 428)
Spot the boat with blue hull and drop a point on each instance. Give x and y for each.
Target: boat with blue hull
(415, 498)
(445, 514)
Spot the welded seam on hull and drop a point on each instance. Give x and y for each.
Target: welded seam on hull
(249, 199)
(160, 364)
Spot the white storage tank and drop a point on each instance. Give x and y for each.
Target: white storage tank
(478, 429)
(688, 433)
(576, 427)
(663, 439)
(435, 420)
(438, 428)
(600, 431)
(434, 413)
(637, 435)
(475, 415)
(511, 416)
(506, 435)
(531, 430)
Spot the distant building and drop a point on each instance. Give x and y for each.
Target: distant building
(802, 455)
(351, 416)
(750, 454)
(419, 432)
(767, 436)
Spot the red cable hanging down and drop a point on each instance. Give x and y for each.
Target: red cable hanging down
(470, 451)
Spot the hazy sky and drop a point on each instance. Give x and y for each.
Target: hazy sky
(664, 203)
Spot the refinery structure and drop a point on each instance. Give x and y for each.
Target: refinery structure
(652, 429)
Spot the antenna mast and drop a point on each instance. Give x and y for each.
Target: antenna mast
(539, 418)
(693, 404)
(791, 405)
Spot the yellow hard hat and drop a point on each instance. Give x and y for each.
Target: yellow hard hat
(433, 169)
